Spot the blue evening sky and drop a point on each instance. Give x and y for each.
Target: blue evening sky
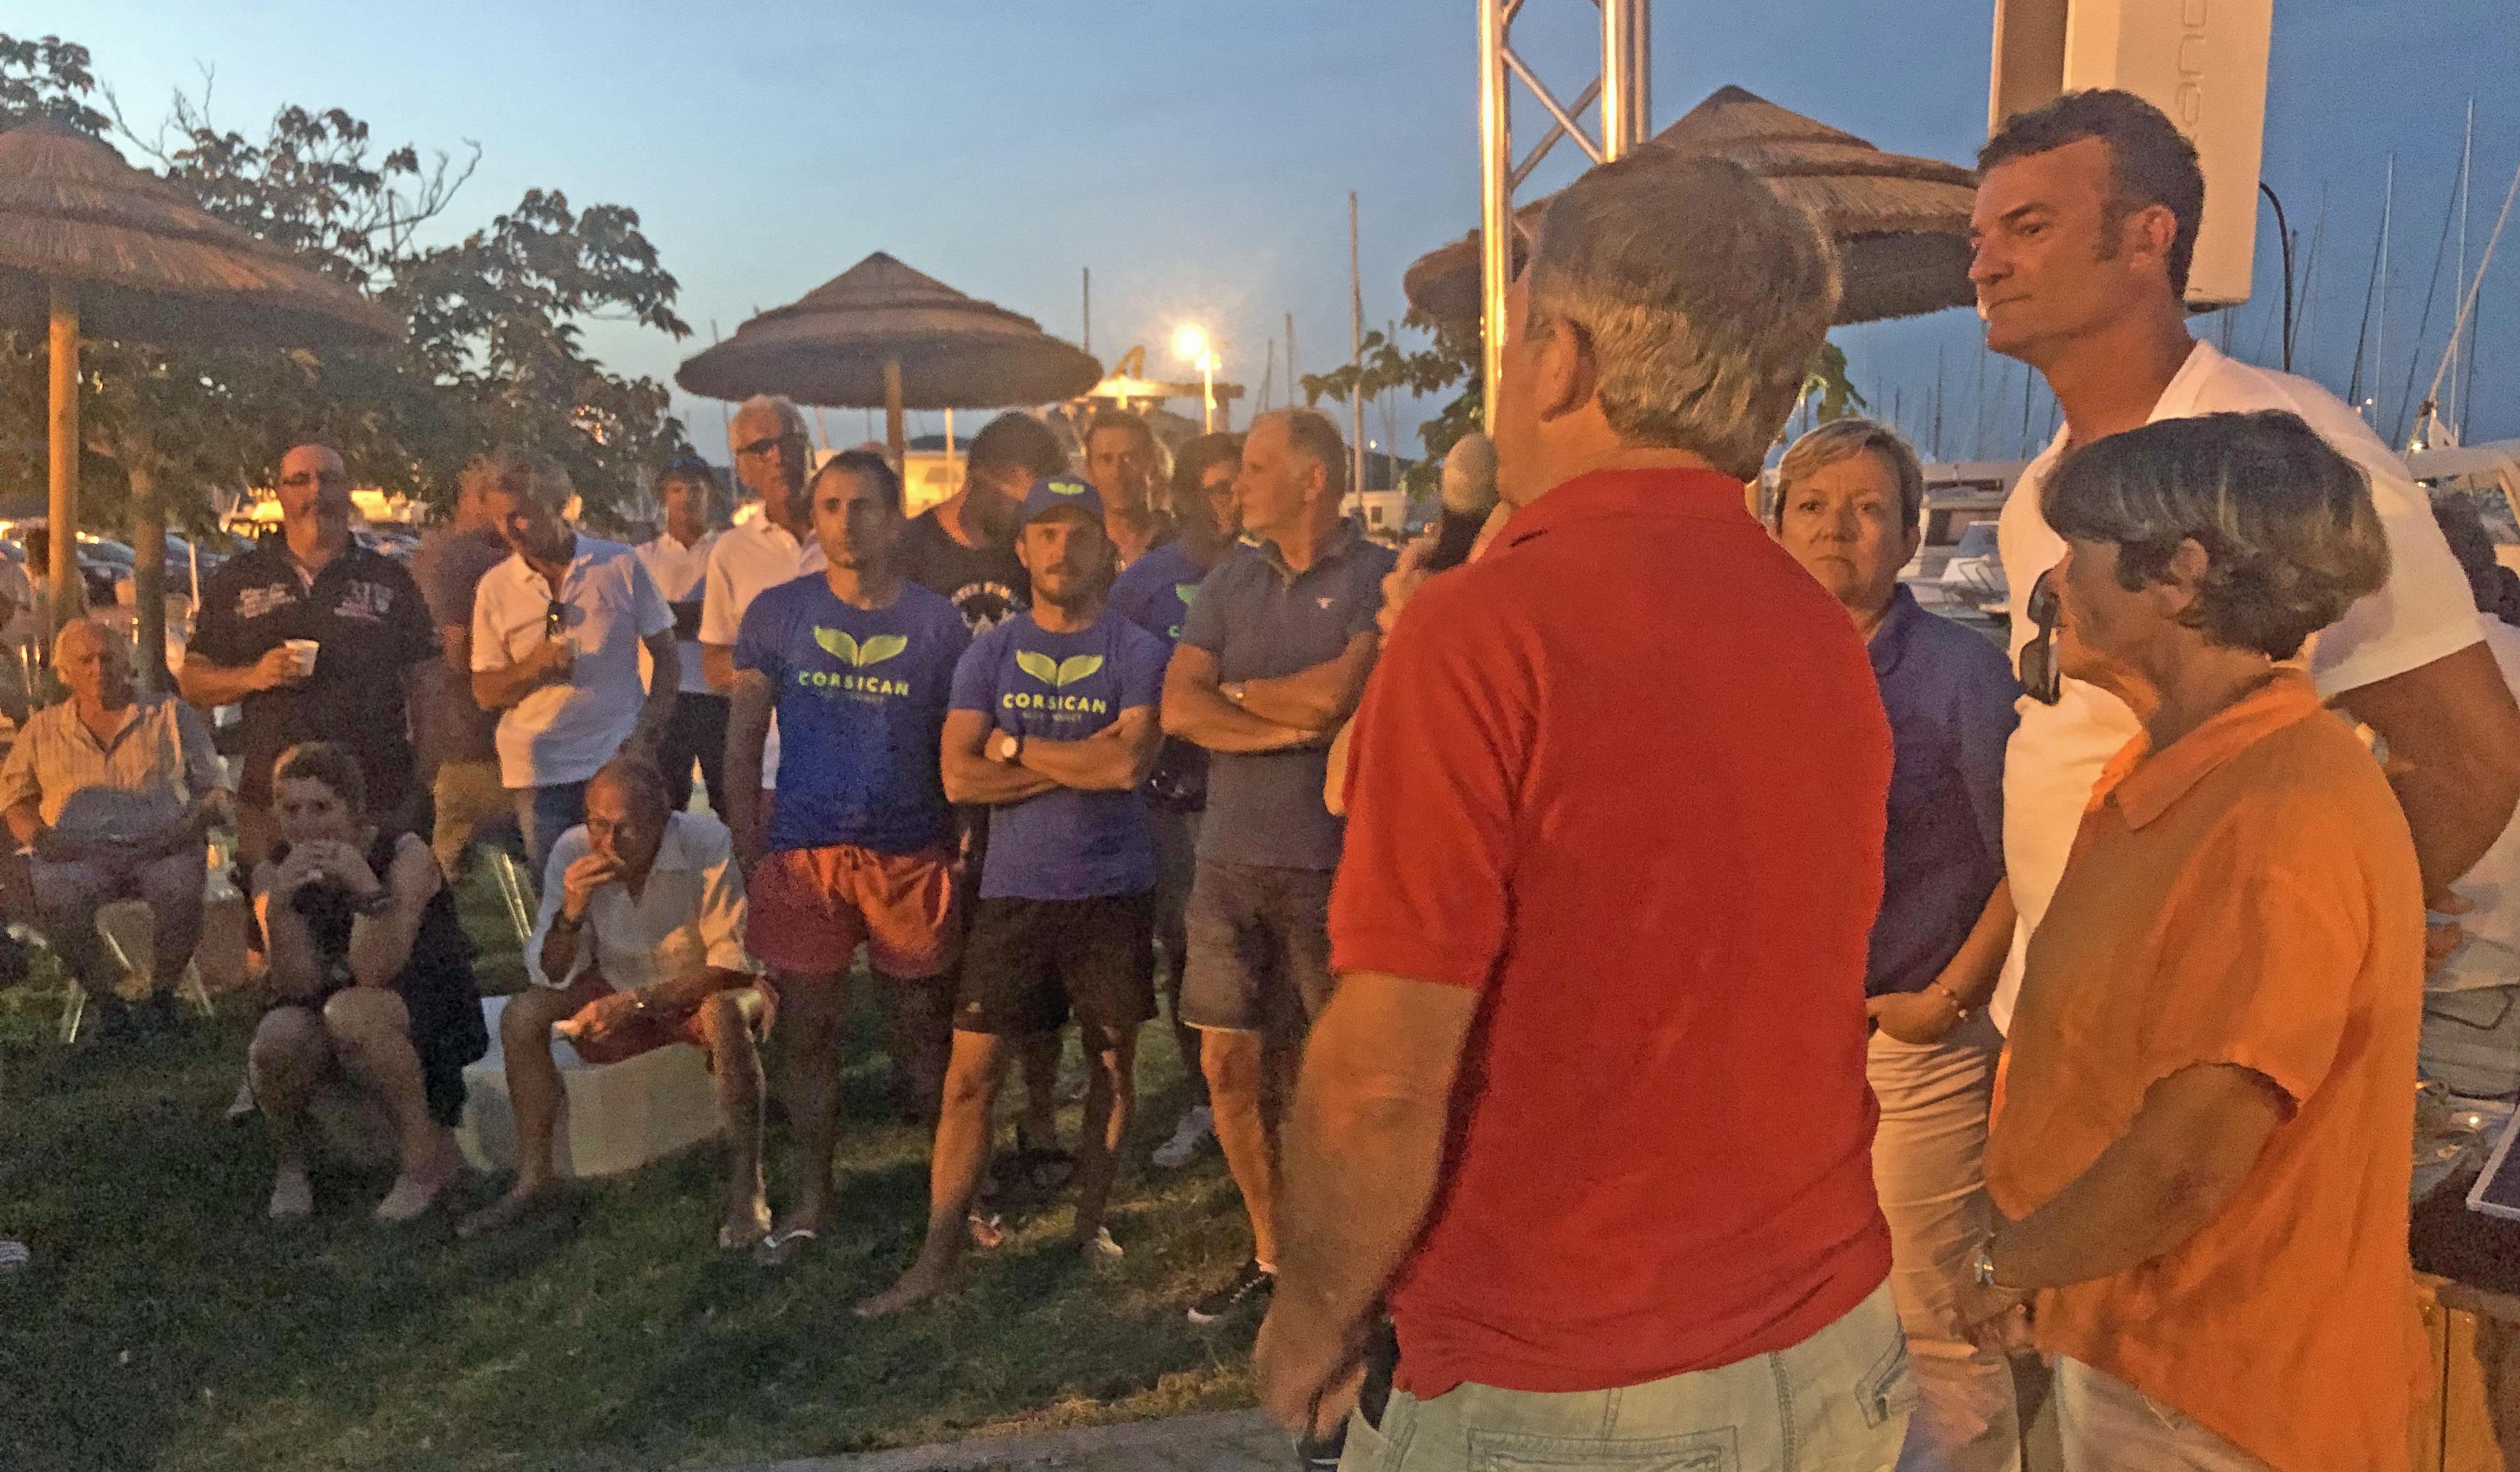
(1196, 154)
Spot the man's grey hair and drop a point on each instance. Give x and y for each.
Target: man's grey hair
(106, 635)
(1703, 297)
(1844, 440)
(791, 417)
(1316, 436)
(639, 778)
(543, 479)
(2291, 538)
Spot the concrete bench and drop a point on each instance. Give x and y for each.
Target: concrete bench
(614, 1117)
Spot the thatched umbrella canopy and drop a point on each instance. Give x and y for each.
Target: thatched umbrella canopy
(1901, 223)
(88, 241)
(882, 334)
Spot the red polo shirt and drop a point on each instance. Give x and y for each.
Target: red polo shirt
(1626, 776)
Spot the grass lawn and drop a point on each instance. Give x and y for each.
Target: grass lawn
(166, 1324)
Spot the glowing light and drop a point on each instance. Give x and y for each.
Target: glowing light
(1189, 343)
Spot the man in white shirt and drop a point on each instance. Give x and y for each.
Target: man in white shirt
(772, 456)
(2086, 217)
(640, 944)
(678, 559)
(557, 630)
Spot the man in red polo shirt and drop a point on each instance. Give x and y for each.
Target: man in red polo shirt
(1588, 1109)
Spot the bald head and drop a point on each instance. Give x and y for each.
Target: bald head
(314, 489)
(94, 664)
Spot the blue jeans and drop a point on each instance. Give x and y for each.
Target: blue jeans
(545, 812)
(1838, 1402)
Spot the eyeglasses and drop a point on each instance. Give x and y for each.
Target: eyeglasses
(306, 478)
(2041, 678)
(770, 446)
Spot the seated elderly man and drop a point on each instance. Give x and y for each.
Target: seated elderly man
(111, 795)
(640, 944)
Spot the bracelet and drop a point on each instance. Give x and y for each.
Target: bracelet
(568, 923)
(1960, 1009)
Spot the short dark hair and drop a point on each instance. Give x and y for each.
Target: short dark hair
(2290, 535)
(2150, 162)
(1018, 440)
(1197, 455)
(333, 766)
(873, 466)
(1316, 436)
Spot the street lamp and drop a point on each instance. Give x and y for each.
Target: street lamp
(1191, 346)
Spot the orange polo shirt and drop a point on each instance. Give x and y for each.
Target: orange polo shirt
(2248, 896)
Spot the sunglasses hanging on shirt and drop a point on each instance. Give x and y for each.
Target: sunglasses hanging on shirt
(2041, 680)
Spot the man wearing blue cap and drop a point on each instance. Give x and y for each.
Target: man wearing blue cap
(1053, 725)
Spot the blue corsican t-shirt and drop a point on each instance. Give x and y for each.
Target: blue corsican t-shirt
(1064, 844)
(861, 710)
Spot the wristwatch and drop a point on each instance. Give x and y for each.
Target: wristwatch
(1008, 747)
(1981, 1267)
(1232, 689)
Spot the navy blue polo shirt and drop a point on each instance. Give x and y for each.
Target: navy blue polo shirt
(1261, 620)
(1950, 695)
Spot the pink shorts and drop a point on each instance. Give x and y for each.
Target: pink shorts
(811, 908)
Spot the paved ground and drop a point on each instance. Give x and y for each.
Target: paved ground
(1233, 1441)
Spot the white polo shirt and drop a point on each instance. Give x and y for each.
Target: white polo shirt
(679, 572)
(2424, 612)
(754, 553)
(564, 732)
(688, 918)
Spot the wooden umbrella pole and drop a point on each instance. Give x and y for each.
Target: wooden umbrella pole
(148, 556)
(895, 439)
(61, 565)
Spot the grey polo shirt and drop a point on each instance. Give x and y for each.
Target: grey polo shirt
(1261, 620)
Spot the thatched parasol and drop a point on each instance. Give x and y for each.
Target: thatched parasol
(880, 334)
(87, 240)
(1901, 223)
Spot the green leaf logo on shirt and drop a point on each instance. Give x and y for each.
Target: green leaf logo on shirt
(1053, 674)
(1186, 592)
(877, 650)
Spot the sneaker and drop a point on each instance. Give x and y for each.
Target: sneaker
(1197, 1128)
(1250, 1288)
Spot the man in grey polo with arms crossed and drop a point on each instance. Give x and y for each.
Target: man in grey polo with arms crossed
(1272, 655)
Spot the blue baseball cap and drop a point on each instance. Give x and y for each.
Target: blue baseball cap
(1061, 491)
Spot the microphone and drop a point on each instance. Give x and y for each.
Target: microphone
(1469, 494)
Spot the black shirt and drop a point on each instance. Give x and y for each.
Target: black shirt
(986, 584)
(367, 614)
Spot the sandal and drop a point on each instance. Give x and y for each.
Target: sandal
(775, 1249)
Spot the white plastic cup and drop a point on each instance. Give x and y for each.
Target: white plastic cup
(304, 651)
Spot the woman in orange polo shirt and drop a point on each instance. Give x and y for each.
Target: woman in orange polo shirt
(2202, 1139)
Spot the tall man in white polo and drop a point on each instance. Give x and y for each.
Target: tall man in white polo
(557, 630)
(2086, 219)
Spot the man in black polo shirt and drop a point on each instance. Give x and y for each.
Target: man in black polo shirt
(368, 627)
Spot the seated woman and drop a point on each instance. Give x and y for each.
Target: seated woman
(2203, 1135)
(371, 978)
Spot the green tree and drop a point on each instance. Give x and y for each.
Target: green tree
(493, 349)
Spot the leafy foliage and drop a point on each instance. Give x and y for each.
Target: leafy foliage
(493, 350)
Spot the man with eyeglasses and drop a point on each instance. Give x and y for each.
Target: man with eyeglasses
(772, 456)
(557, 630)
(317, 637)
